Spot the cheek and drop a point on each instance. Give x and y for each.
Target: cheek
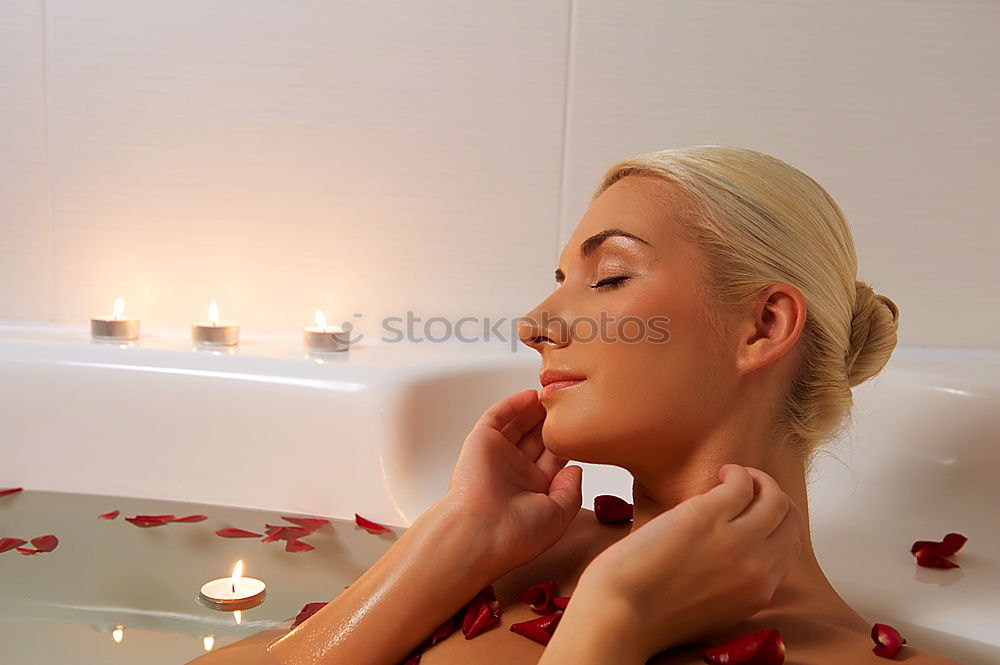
(644, 399)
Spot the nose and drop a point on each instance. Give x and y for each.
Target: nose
(539, 329)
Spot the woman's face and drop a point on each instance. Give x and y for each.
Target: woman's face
(627, 318)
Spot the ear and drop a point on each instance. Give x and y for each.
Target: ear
(771, 327)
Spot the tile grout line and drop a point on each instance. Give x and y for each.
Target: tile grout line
(567, 87)
(46, 162)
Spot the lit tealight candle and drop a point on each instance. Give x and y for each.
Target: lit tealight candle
(114, 327)
(214, 333)
(233, 593)
(324, 338)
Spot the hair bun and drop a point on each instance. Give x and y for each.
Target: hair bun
(873, 333)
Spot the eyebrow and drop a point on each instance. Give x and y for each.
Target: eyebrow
(590, 245)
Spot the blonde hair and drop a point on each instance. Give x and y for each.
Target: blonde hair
(757, 221)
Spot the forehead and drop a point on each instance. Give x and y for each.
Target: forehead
(643, 205)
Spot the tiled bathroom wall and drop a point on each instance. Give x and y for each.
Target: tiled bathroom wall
(390, 155)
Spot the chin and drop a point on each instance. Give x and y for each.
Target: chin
(576, 439)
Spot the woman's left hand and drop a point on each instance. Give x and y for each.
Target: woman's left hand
(699, 568)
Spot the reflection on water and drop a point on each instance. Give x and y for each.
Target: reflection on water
(115, 593)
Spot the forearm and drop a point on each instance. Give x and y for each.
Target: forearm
(595, 631)
(435, 567)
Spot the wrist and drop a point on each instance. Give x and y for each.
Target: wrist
(466, 540)
(597, 629)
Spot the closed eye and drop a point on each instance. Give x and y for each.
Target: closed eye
(610, 282)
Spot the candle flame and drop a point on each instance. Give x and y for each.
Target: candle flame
(237, 572)
(213, 313)
(238, 617)
(118, 634)
(119, 308)
(320, 319)
(209, 642)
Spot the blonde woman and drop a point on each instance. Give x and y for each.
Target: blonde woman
(705, 333)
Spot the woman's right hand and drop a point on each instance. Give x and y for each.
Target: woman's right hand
(511, 486)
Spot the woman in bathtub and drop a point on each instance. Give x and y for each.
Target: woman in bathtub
(704, 335)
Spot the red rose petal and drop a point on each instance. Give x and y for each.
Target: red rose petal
(611, 509)
(764, 647)
(144, 523)
(25, 550)
(229, 532)
(930, 557)
(12, 490)
(481, 613)
(298, 546)
(369, 526)
(7, 544)
(540, 629)
(539, 597)
(950, 544)
(888, 641)
(45, 543)
(311, 523)
(286, 532)
(109, 516)
(307, 611)
(561, 602)
(158, 518)
(192, 518)
(445, 629)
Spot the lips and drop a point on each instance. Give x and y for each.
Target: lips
(556, 379)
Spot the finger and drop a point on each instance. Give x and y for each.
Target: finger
(514, 415)
(550, 463)
(567, 491)
(768, 508)
(733, 495)
(531, 443)
(784, 545)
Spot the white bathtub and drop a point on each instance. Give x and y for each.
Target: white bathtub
(376, 431)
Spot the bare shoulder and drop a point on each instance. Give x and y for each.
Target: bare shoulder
(809, 642)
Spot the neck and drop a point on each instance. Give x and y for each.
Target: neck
(657, 490)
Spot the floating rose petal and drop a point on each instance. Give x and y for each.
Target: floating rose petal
(764, 647)
(540, 629)
(951, 543)
(159, 518)
(286, 532)
(109, 516)
(229, 532)
(7, 544)
(298, 546)
(539, 597)
(311, 523)
(561, 601)
(369, 526)
(888, 641)
(25, 550)
(45, 543)
(610, 509)
(481, 613)
(307, 611)
(145, 523)
(930, 557)
(445, 629)
(192, 518)
(12, 490)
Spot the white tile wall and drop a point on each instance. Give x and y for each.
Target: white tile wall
(372, 157)
(25, 263)
(890, 105)
(358, 157)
